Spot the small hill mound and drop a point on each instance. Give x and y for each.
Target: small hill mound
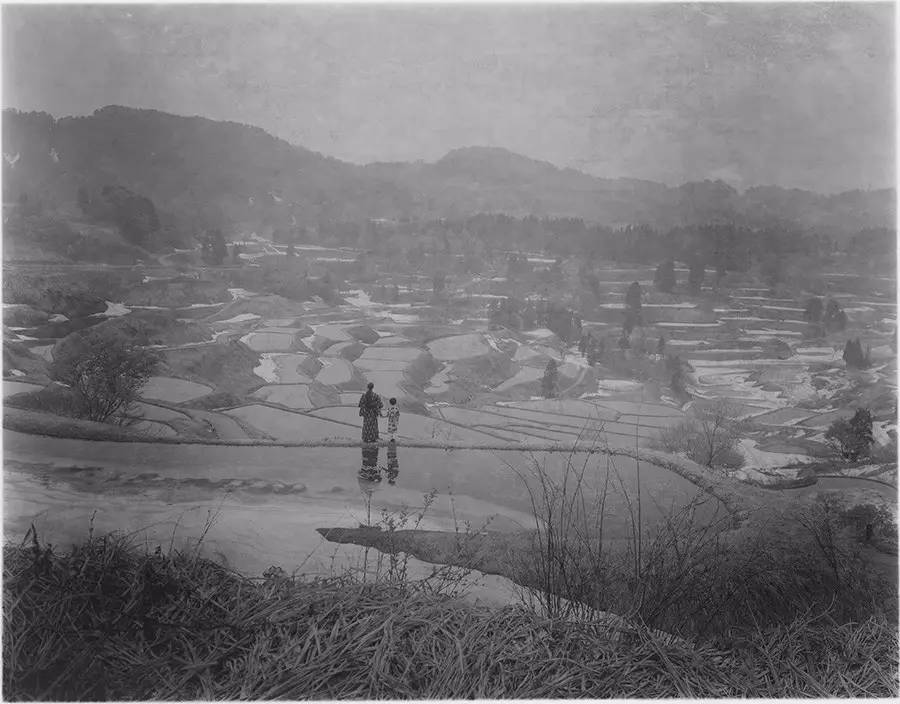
(150, 328)
(363, 333)
(268, 306)
(23, 316)
(226, 367)
(17, 356)
(177, 292)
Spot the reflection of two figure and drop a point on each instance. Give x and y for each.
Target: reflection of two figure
(370, 471)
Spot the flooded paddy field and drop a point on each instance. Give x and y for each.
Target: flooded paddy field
(318, 487)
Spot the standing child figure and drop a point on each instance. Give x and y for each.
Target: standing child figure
(393, 416)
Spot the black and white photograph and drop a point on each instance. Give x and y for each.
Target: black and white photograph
(360, 351)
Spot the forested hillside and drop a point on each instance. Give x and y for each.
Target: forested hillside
(202, 174)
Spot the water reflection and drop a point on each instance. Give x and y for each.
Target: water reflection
(393, 466)
(369, 471)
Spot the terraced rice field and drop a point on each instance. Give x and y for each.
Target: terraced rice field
(387, 383)
(172, 390)
(284, 368)
(285, 425)
(149, 411)
(338, 348)
(783, 416)
(458, 347)
(335, 371)
(334, 333)
(269, 341)
(16, 387)
(526, 375)
(290, 395)
(729, 347)
(392, 354)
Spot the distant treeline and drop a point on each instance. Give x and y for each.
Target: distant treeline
(722, 246)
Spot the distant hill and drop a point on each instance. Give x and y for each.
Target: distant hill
(207, 173)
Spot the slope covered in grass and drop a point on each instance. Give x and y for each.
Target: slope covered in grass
(107, 621)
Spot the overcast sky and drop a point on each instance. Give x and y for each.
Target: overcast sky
(794, 95)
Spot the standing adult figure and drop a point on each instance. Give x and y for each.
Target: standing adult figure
(370, 405)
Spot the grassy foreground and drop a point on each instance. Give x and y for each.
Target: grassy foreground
(109, 621)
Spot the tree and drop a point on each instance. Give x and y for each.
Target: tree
(590, 281)
(771, 267)
(813, 315)
(677, 376)
(814, 309)
(661, 346)
(104, 370)
(709, 439)
(633, 297)
(834, 317)
(715, 444)
(84, 200)
(550, 380)
(632, 308)
(664, 278)
(291, 251)
(133, 214)
(439, 283)
(213, 249)
(854, 356)
(696, 273)
(852, 439)
(506, 313)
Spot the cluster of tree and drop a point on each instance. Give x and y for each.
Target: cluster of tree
(133, 214)
(29, 207)
(873, 249)
(386, 294)
(664, 277)
(824, 318)
(710, 438)
(512, 313)
(593, 348)
(287, 277)
(723, 246)
(855, 357)
(633, 317)
(678, 378)
(104, 370)
(517, 266)
(550, 380)
(438, 283)
(852, 439)
(213, 249)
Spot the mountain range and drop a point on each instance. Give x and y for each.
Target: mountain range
(209, 173)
